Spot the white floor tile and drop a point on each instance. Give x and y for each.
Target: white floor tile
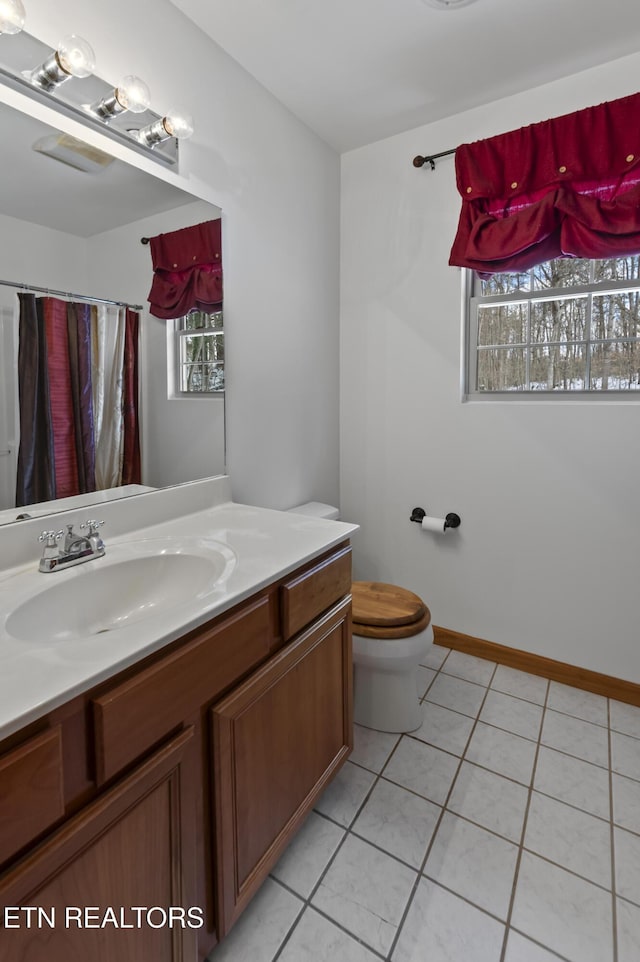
(316, 939)
(569, 915)
(520, 949)
(573, 781)
(435, 656)
(422, 769)
(473, 863)
(627, 859)
(625, 718)
(628, 918)
(575, 701)
(307, 856)
(425, 677)
(371, 912)
(346, 793)
(492, 801)
(626, 803)
(371, 748)
(576, 737)
(502, 752)
(469, 667)
(571, 838)
(512, 714)
(440, 927)
(260, 931)
(457, 694)
(398, 821)
(446, 729)
(625, 755)
(521, 684)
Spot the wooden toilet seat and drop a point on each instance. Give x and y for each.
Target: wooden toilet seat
(387, 611)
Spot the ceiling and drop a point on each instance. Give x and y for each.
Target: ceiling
(357, 71)
(46, 190)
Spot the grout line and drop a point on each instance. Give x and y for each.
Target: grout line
(437, 827)
(614, 906)
(347, 832)
(420, 873)
(522, 834)
(555, 955)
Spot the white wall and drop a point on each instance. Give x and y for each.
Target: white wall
(278, 186)
(546, 559)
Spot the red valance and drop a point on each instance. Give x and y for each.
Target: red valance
(566, 187)
(187, 266)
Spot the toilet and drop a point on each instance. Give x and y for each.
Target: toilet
(392, 634)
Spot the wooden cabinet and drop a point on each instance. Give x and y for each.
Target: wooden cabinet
(133, 847)
(277, 741)
(176, 784)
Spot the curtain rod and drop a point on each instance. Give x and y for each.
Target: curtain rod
(82, 297)
(431, 158)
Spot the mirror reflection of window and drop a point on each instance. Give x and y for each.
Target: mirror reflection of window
(198, 355)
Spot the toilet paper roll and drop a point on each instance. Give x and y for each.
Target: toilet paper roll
(433, 524)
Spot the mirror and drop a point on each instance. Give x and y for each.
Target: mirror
(79, 231)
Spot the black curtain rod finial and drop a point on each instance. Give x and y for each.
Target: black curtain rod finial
(430, 159)
(145, 240)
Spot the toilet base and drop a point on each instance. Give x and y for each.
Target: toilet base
(385, 682)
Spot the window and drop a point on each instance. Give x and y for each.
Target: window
(198, 354)
(563, 327)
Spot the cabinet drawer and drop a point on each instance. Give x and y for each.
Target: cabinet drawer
(133, 717)
(307, 595)
(31, 790)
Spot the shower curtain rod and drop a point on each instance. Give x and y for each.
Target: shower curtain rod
(431, 158)
(81, 297)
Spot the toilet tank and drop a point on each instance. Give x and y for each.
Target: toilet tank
(316, 509)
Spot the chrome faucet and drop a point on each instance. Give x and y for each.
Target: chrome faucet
(76, 549)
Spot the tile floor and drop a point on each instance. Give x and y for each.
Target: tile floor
(506, 829)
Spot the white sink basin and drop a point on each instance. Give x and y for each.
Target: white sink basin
(132, 582)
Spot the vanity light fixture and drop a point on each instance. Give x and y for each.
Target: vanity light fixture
(175, 124)
(74, 57)
(12, 16)
(130, 94)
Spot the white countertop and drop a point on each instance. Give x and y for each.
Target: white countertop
(36, 677)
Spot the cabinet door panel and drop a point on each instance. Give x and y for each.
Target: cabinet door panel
(277, 741)
(31, 790)
(131, 847)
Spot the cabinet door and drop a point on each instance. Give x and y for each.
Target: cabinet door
(132, 847)
(278, 740)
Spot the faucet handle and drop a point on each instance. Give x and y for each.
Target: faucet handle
(50, 537)
(92, 526)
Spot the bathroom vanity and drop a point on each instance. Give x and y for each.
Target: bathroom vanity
(146, 793)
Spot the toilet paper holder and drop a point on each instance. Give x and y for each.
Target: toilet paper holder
(452, 520)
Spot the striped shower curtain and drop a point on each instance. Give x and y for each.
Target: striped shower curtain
(78, 397)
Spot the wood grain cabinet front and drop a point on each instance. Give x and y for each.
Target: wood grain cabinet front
(133, 716)
(179, 782)
(81, 893)
(277, 740)
(31, 791)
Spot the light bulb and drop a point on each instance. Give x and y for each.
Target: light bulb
(178, 124)
(175, 124)
(133, 94)
(12, 16)
(75, 56)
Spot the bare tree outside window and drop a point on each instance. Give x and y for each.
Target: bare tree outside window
(199, 353)
(566, 326)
